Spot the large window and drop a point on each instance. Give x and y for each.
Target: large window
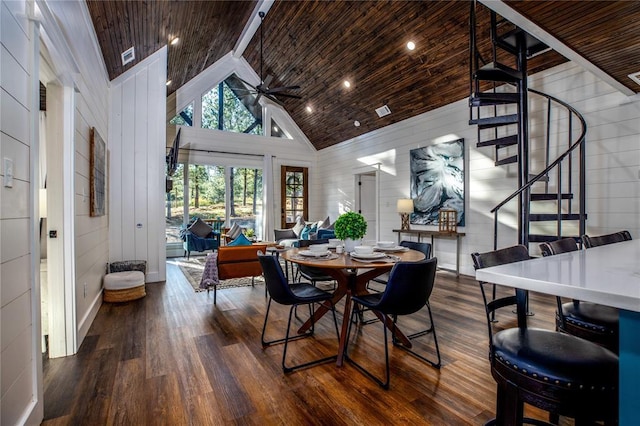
(206, 198)
(230, 106)
(246, 196)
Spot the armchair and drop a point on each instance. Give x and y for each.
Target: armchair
(199, 237)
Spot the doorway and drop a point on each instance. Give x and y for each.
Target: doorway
(294, 190)
(367, 203)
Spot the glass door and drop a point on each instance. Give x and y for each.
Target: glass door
(294, 190)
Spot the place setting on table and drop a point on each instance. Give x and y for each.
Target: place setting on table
(352, 271)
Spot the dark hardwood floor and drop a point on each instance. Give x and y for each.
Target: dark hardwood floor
(174, 358)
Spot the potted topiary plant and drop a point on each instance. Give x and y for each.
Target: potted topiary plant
(350, 227)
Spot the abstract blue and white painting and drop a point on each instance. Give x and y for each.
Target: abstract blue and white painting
(437, 181)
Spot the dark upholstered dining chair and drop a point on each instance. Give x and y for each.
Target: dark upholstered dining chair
(562, 374)
(425, 248)
(590, 321)
(602, 240)
(292, 295)
(408, 290)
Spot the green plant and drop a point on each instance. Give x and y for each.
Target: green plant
(250, 233)
(350, 225)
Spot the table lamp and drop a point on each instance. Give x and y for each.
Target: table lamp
(405, 208)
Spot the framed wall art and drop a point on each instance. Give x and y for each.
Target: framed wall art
(97, 178)
(437, 181)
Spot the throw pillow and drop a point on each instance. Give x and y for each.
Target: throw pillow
(324, 224)
(234, 231)
(240, 240)
(304, 235)
(299, 226)
(199, 228)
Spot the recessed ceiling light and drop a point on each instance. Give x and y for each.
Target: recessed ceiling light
(275, 128)
(175, 41)
(168, 82)
(309, 109)
(356, 123)
(347, 84)
(411, 45)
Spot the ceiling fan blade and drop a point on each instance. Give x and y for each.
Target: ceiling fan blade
(267, 81)
(272, 98)
(283, 89)
(255, 101)
(247, 83)
(287, 95)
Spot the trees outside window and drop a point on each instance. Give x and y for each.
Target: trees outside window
(206, 198)
(228, 107)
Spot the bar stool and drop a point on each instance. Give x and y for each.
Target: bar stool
(591, 321)
(559, 373)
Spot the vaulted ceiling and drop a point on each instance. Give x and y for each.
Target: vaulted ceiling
(319, 44)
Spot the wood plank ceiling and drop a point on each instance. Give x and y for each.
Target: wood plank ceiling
(319, 44)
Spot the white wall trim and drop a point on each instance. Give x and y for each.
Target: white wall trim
(68, 228)
(251, 27)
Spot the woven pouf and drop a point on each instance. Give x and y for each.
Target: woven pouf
(123, 286)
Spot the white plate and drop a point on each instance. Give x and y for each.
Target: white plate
(391, 249)
(309, 253)
(368, 256)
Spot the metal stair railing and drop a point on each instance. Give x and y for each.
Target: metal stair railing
(543, 174)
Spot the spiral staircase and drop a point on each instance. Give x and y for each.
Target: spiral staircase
(551, 201)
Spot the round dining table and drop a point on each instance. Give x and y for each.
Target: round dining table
(352, 276)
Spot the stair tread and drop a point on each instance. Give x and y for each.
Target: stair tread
(490, 122)
(500, 142)
(508, 160)
(533, 45)
(550, 197)
(495, 71)
(545, 217)
(539, 238)
(490, 98)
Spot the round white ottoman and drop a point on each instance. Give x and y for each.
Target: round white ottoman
(123, 286)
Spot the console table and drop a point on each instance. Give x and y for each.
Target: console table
(436, 234)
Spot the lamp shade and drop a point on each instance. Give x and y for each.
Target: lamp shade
(405, 205)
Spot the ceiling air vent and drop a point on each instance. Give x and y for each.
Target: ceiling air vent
(383, 110)
(128, 56)
(635, 77)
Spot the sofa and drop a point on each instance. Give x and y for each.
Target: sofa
(238, 262)
(302, 230)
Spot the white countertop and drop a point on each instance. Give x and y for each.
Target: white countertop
(608, 275)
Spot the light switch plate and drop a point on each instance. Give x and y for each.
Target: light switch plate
(8, 173)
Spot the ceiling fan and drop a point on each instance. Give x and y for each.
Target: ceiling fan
(263, 88)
